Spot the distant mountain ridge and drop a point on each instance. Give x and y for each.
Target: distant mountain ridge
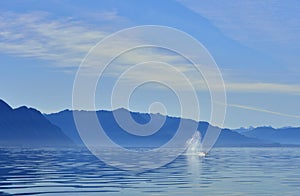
(227, 138)
(28, 127)
(284, 136)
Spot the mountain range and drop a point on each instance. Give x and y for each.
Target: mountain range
(284, 136)
(65, 121)
(29, 127)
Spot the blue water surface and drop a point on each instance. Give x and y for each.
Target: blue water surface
(224, 171)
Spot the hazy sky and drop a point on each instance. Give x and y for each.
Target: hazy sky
(256, 45)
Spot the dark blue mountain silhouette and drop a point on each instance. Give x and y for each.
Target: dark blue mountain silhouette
(65, 121)
(288, 135)
(28, 127)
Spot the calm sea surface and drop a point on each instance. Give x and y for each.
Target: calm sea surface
(225, 171)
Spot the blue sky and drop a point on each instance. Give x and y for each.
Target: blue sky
(254, 43)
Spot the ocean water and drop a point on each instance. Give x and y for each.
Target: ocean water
(224, 171)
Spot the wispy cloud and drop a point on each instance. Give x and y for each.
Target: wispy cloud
(264, 87)
(262, 110)
(255, 87)
(36, 35)
(253, 21)
(194, 77)
(65, 42)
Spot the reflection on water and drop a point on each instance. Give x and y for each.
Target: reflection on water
(225, 171)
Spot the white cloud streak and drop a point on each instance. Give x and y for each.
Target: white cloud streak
(263, 87)
(252, 21)
(262, 110)
(63, 41)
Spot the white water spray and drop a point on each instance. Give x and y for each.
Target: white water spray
(194, 146)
